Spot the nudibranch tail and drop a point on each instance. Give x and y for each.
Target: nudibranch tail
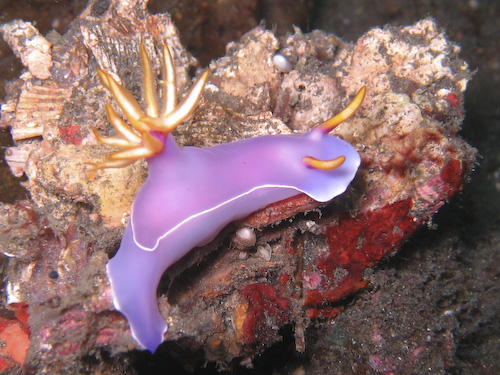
(138, 140)
(345, 114)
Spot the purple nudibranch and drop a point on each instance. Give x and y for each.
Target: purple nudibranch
(192, 193)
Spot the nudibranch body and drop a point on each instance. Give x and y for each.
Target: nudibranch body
(192, 193)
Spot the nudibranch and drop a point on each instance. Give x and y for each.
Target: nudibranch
(191, 193)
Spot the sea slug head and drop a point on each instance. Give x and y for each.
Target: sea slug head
(327, 164)
(146, 134)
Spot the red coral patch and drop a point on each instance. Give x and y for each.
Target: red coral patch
(360, 242)
(71, 134)
(14, 336)
(267, 310)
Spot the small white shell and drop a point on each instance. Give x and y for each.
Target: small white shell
(282, 63)
(264, 252)
(244, 238)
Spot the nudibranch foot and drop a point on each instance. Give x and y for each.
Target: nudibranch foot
(191, 193)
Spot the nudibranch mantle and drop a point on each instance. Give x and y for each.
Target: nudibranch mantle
(191, 193)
